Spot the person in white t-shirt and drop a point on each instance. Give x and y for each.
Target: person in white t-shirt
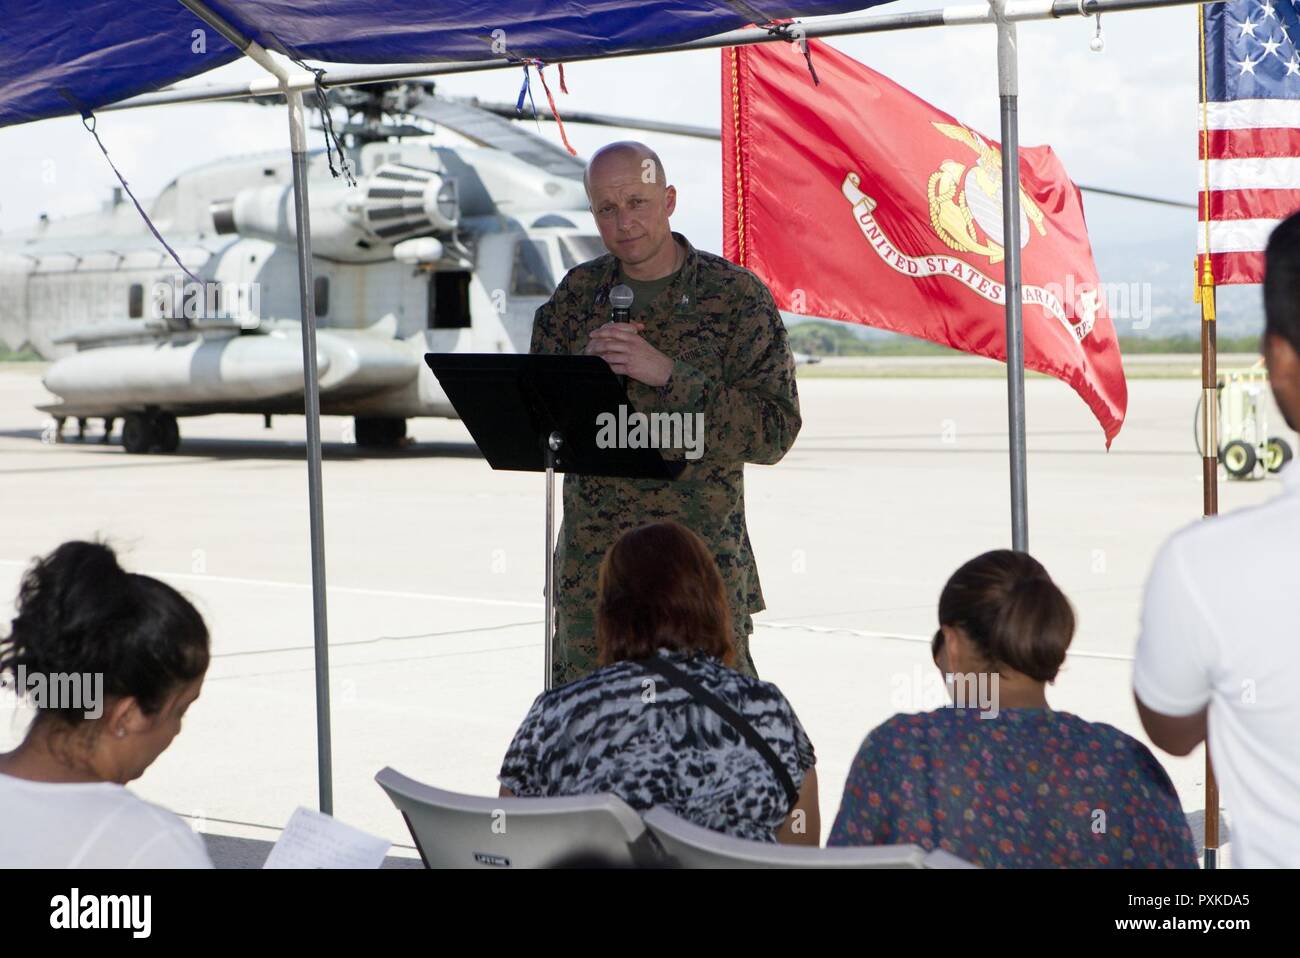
(110, 660)
(1220, 646)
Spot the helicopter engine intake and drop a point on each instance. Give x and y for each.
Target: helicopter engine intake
(350, 224)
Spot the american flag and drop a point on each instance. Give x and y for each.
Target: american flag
(1250, 132)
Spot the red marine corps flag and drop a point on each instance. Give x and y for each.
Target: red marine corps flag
(856, 200)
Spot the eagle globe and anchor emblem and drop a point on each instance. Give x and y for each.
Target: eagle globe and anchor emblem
(963, 198)
(965, 205)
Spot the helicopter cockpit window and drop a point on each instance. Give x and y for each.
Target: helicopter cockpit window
(322, 297)
(135, 301)
(576, 250)
(531, 277)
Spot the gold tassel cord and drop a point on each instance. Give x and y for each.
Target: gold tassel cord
(735, 130)
(1203, 281)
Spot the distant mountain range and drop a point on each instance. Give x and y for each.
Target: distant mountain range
(1167, 263)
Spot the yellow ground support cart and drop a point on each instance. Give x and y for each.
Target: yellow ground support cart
(1246, 449)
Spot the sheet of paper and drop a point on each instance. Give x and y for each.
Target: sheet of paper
(313, 840)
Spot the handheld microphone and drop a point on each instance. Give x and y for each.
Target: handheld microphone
(620, 300)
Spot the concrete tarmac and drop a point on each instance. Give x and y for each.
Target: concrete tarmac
(435, 568)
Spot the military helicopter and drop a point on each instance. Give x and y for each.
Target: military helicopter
(435, 248)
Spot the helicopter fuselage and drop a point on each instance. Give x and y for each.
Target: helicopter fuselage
(435, 249)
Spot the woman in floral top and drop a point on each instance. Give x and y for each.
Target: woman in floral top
(1001, 779)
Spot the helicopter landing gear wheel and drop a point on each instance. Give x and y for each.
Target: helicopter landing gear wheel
(1239, 459)
(167, 432)
(379, 433)
(137, 433)
(1277, 453)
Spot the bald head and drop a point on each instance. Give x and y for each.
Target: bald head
(631, 202)
(623, 157)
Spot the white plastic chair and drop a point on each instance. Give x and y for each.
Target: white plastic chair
(691, 846)
(452, 830)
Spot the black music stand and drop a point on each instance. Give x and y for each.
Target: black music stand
(534, 413)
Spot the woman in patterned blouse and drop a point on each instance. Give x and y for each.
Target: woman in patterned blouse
(625, 729)
(1000, 778)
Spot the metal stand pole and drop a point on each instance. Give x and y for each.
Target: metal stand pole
(1008, 89)
(311, 383)
(553, 443)
(290, 86)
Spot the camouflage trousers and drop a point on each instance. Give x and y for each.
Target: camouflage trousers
(574, 647)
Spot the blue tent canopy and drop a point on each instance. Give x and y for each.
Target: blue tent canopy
(87, 53)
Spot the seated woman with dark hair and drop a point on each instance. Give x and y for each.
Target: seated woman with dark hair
(1001, 779)
(110, 660)
(665, 721)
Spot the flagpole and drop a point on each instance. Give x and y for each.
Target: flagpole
(1210, 486)
(1209, 425)
(1008, 94)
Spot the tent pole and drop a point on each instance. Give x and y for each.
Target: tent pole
(311, 395)
(1008, 90)
(965, 14)
(291, 86)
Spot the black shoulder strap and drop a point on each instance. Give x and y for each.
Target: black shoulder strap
(675, 676)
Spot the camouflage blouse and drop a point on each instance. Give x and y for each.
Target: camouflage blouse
(733, 365)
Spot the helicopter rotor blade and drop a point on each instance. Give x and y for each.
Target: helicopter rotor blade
(1140, 197)
(709, 133)
(596, 119)
(490, 124)
(486, 128)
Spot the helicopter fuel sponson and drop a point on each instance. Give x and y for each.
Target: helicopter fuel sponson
(443, 248)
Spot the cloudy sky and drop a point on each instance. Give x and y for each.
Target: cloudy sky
(1124, 118)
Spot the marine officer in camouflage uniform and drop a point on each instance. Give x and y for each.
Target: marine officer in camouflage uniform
(704, 337)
